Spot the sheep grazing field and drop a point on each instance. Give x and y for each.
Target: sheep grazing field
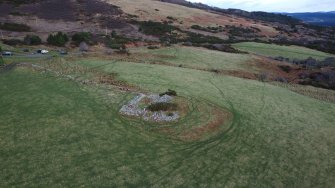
(272, 50)
(232, 131)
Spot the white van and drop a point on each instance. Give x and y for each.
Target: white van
(40, 51)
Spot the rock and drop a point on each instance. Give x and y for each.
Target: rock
(133, 109)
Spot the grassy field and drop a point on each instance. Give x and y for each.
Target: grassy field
(191, 57)
(274, 129)
(273, 50)
(57, 132)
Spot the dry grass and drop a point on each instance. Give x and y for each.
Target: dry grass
(145, 10)
(310, 91)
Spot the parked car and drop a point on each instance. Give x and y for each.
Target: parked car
(40, 51)
(63, 52)
(7, 53)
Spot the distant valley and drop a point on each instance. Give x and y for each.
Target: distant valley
(316, 18)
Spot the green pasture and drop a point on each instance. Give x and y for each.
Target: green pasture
(273, 50)
(58, 132)
(198, 58)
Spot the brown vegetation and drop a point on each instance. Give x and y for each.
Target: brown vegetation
(218, 123)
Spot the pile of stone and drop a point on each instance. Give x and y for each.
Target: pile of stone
(158, 99)
(161, 116)
(133, 109)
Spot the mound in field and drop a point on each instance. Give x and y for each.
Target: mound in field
(152, 108)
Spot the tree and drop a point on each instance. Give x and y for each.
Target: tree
(32, 40)
(60, 39)
(81, 37)
(113, 34)
(124, 50)
(311, 63)
(83, 47)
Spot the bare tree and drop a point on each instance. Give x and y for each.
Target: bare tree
(83, 47)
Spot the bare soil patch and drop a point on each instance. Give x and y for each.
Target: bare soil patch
(220, 118)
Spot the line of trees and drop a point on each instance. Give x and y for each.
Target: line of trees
(80, 39)
(59, 39)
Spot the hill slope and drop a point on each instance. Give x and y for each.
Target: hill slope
(124, 16)
(244, 119)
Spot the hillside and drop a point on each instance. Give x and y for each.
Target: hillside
(148, 93)
(100, 17)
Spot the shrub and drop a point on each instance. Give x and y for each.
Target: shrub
(59, 39)
(222, 47)
(328, 62)
(170, 114)
(153, 47)
(83, 47)
(18, 2)
(117, 41)
(320, 79)
(208, 29)
(215, 71)
(171, 18)
(109, 52)
(240, 31)
(155, 28)
(81, 37)
(169, 92)
(279, 58)
(32, 40)
(13, 42)
(115, 46)
(161, 106)
(285, 68)
(263, 77)
(311, 62)
(17, 14)
(124, 50)
(15, 27)
(281, 79)
(197, 39)
(197, 27)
